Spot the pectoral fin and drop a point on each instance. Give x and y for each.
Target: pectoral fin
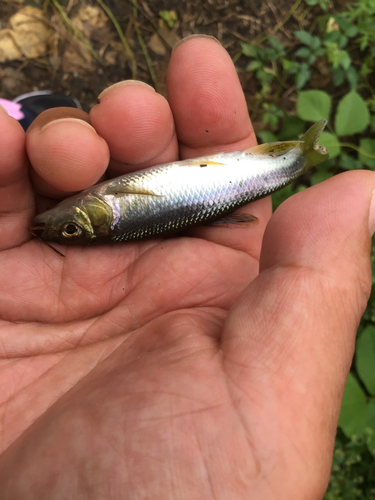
(235, 221)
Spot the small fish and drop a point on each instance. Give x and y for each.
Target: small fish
(168, 198)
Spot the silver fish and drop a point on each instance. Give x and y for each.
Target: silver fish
(168, 198)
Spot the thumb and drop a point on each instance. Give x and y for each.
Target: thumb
(289, 339)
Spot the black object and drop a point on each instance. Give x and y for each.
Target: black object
(33, 103)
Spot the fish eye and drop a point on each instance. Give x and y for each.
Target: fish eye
(70, 230)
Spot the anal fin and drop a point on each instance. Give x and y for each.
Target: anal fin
(236, 220)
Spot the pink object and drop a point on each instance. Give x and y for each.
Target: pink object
(13, 108)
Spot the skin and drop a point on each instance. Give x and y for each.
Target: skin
(209, 367)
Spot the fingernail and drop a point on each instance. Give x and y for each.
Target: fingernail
(2, 107)
(371, 222)
(67, 120)
(195, 36)
(125, 83)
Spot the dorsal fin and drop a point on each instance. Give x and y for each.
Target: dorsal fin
(273, 148)
(203, 162)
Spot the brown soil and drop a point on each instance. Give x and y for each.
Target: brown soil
(68, 67)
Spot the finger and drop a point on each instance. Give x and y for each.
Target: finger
(16, 196)
(138, 126)
(289, 339)
(211, 115)
(65, 152)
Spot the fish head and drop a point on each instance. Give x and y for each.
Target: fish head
(74, 221)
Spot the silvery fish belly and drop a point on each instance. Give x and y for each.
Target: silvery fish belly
(170, 197)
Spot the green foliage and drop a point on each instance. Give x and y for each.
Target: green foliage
(349, 138)
(169, 16)
(365, 359)
(352, 117)
(362, 13)
(333, 43)
(352, 469)
(314, 105)
(322, 3)
(353, 415)
(266, 136)
(311, 50)
(272, 115)
(331, 142)
(367, 152)
(264, 62)
(292, 128)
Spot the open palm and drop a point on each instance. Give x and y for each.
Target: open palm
(172, 368)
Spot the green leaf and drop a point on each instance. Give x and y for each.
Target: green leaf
(352, 116)
(352, 77)
(371, 425)
(365, 358)
(313, 105)
(277, 45)
(345, 60)
(367, 157)
(320, 176)
(266, 136)
(346, 26)
(303, 52)
(315, 43)
(338, 76)
(342, 42)
(347, 162)
(287, 64)
(169, 16)
(253, 65)
(332, 37)
(304, 37)
(331, 142)
(292, 128)
(302, 77)
(353, 415)
(249, 50)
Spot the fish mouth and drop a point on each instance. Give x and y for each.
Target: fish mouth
(38, 229)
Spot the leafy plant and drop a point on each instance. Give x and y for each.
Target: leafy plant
(311, 50)
(352, 469)
(362, 12)
(264, 61)
(322, 3)
(169, 16)
(272, 115)
(341, 48)
(352, 117)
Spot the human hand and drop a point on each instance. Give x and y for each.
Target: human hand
(173, 368)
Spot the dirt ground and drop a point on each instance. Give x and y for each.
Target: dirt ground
(85, 64)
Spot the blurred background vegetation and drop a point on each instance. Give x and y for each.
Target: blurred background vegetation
(298, 62)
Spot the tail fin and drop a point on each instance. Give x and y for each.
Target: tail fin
(314, 154)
